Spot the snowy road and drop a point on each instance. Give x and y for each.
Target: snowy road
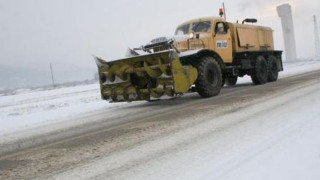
(247, 132)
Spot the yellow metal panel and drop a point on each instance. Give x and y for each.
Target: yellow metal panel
(247, 37)
(261, 37)
(183, 76)
(269, 39)
(265, 39)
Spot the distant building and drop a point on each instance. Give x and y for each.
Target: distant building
(285, 13)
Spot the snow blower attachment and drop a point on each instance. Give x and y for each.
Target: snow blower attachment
(145, 77)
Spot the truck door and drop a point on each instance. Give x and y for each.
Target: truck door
(222, 41)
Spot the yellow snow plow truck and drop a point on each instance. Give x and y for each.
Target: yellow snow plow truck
(202, 56)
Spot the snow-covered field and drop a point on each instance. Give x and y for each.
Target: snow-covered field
(246, 133)
(28, 110)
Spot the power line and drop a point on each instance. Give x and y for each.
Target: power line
(316, 36)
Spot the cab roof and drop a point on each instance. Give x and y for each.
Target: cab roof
(210, 18)
(202, 19)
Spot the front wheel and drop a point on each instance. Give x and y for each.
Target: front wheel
(209, 79)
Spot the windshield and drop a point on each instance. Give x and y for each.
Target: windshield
(202, 26)
(182, 30)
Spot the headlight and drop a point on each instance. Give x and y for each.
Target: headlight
(191, 35)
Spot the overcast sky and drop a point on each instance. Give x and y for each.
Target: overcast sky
(66, 33)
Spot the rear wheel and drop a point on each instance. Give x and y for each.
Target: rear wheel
(259, 74)
(209, 79)
(231, 80)
(272, 69)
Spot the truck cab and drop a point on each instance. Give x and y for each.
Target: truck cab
(206, 33)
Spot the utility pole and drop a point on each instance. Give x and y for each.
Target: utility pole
(316, 37)
(224, 11)
(53, 84)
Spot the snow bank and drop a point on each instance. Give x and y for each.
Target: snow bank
(28, 110)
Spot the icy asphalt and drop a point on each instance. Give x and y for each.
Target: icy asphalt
(247, 132)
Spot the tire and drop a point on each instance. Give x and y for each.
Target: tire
(209, 79)
(259, 74)
(273, 71)
(231, 80)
